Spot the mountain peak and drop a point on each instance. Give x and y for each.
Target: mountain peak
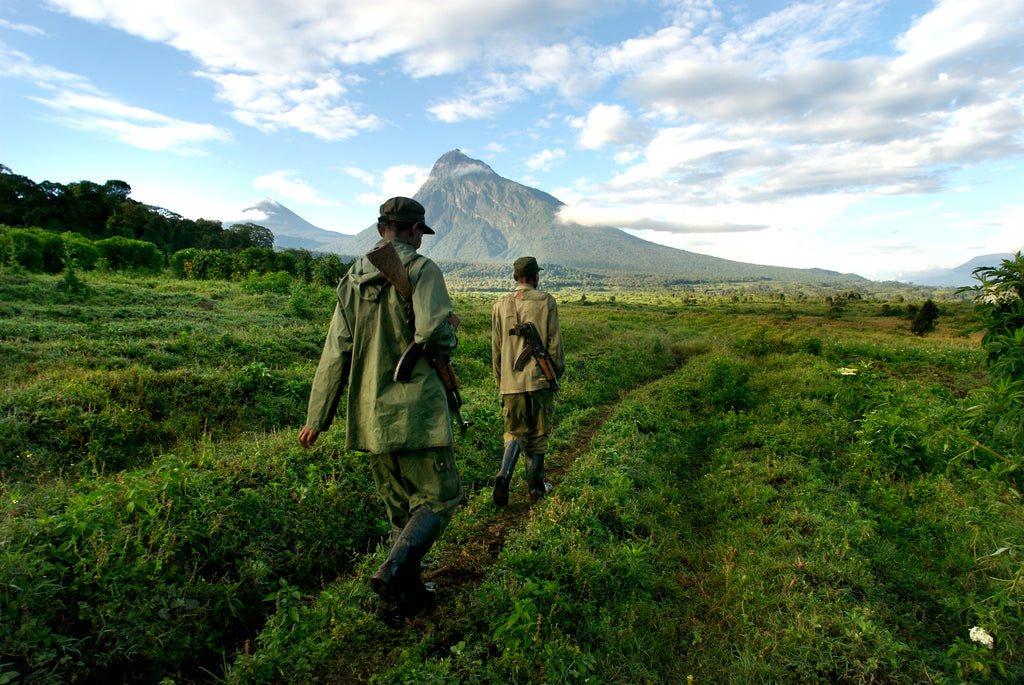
(455, 164)
(266, 204)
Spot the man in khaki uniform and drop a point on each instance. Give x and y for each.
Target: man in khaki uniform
(527, 396)
(406, 427)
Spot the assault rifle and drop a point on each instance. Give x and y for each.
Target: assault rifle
(535, 348)
(386, 259)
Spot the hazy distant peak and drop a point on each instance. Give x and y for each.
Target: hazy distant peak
(455, 164)
(265, 204)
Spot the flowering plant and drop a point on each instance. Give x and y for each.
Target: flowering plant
(982, 637)
(999, 311)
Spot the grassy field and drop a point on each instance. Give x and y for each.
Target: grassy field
(747, 490)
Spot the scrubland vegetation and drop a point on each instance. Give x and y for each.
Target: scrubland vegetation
(748, 488)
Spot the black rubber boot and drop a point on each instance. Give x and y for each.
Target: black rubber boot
(398, 580)
(535, 476)
(508, 465)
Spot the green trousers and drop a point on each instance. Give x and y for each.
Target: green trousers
(529, 419)
(412, 479)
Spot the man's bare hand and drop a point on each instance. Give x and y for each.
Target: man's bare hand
(307, 437)
(454, 321)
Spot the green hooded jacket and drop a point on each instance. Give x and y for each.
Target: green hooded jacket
(367, 336)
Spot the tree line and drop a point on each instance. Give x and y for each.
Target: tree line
(97, 212)
(50, 227)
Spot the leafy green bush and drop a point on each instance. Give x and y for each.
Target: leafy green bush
(896, 431)
(279, 282)
(32, 248)
(162, 570)
(328, 269)
(202, 264)
(258, 260)
(80, 250)
(925, 320)
(999, 312)
(109, 421)
(727, 386)
(124, 254)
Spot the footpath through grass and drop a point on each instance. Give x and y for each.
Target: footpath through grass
(777, 510)
(764, 492)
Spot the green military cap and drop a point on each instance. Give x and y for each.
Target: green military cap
(525, 266)
(405, 209)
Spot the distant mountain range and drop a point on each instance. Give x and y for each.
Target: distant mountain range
(483, 218)
(956, 277)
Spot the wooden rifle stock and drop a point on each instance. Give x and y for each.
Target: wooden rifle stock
(386, 259)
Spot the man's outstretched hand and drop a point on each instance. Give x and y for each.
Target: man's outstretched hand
(308, 436)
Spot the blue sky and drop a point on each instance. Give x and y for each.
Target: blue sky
(857, 135)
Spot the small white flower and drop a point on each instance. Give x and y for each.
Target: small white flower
(982, 637)
(847, 371)
(999, 295)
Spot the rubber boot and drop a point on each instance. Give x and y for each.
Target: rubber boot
(398, 580)
(508, 465)
(535, 476)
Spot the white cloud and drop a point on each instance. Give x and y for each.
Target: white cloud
(956, 33)
(286, 185)
(78, 104)
(454, 111)
(606, 125)
(1010, 236)
(544, 159)
(483, 103)
(281, 101)
(357, 173)
(132, 125)
(404, 180)
(27, 29)
(401, 180)
(15, 64)
(254, 215)
(266, 55)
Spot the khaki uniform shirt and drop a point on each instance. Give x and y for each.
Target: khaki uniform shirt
(524, 304)
(367, 336)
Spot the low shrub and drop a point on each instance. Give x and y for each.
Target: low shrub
(166, 570)
(123, 254)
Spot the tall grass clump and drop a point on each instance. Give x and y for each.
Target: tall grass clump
(167, 569)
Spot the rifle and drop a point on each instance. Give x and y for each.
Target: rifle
(535, 348)
(386, 259)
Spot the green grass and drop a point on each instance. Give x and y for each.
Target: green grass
(729, 507)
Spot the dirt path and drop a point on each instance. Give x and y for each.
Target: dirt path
(459, 569)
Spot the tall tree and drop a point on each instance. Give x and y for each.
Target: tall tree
(925, 320)
(249, 234)
(16, 193)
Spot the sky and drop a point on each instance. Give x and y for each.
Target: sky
(864, 136)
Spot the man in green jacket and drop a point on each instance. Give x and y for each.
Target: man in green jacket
(527, 395)
(405, 427)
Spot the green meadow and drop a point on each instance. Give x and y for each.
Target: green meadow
(748, 488)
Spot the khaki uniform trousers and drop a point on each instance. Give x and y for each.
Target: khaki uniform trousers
(412, 479)
(529, 419)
